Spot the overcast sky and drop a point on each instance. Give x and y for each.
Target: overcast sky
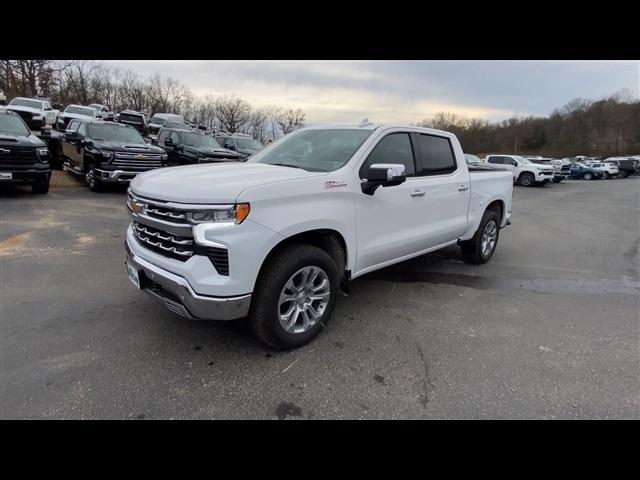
(401, 91)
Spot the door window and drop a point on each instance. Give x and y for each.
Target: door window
(496, 160)
(394, 148)
(436, 155)
(82, 129)
(73, 125)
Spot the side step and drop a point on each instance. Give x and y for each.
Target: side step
(68, 167)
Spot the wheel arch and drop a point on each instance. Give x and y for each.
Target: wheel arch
(328, 239)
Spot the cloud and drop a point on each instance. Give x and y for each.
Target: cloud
(401, 91)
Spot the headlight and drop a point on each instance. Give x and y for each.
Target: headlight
(231, 215)
(164, 157)
(108, 155)
(43, 152)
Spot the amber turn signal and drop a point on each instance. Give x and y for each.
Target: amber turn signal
(242, 211)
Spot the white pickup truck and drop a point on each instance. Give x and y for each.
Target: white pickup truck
(277, 237)
(525, 172)
(35, 112)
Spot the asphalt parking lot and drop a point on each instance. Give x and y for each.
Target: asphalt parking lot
(549, 328)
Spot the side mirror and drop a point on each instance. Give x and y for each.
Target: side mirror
(168, 142)
(70, 135)
(383, 175)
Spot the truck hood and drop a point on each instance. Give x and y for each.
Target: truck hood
(74, 115)
(217, 152)
(7, 140)
(212, 182)
(20, 108)
(133, 148)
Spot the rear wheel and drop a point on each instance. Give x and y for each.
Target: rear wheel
(587, 176)
(294, 297)
(606, 175)
(526, 179)
(479, 249)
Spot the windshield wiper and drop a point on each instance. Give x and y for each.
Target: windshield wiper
(286, 165)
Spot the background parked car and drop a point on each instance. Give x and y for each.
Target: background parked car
(561, 171)
(158, 121)
(136, 119)
(525, 172)
(101, 110)
(188, 146)
(108, 152)
(626, 166)
(584, 171)
(608, 169)
(245, 145)
(77, 112)
(35, 112)
(3, 98)
(24, 158)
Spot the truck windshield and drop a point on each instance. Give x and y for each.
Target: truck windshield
(25, 102)
(314, 150)
(115, 133)
(89, 112)
(199, 140)
(13, 125)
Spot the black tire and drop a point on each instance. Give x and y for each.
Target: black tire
(40, 187)
(557, 179)
(94, 184)
(587, 176)
(527, 179)
(472, 249)
(264, 312)
(606, 175)
(622, 174)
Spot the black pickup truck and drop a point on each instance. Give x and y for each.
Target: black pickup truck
(24, 158)
(107, 152)
(186, 147)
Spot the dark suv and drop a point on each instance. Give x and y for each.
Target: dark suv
(136, 119)
(244, 144)
(24, 158)
(108, 152)
(192, 146)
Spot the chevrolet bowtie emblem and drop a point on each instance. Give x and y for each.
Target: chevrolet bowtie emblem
(4, 151)
(137, 208)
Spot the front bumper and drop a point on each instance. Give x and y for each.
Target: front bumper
(178, 296)
(116, 176)
(26, 176)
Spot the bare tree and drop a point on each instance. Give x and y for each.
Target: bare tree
(290, 120)
(232, 112)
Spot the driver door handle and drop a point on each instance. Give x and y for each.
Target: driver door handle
(418, 193)
(463, 188)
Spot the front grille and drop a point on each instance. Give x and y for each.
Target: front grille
(164, 243)
(18, 155)
(137, 161)
(166, 214)
(565, 168)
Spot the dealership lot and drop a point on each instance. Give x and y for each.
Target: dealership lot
(548, 329)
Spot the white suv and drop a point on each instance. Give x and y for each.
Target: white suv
(525, 172)
(609, 170)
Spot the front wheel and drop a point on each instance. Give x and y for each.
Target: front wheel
(480, 248)
(294, 297)
(92, 179)
(606, 175)
(526, 179)
(587, 176)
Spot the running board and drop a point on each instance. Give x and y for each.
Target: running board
(67, 166)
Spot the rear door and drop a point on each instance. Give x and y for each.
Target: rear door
(447, 189)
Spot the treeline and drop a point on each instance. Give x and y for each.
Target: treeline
(606, 127)
(85, 82)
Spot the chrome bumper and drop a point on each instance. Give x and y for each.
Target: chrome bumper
(179, 297)
(115, 175)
